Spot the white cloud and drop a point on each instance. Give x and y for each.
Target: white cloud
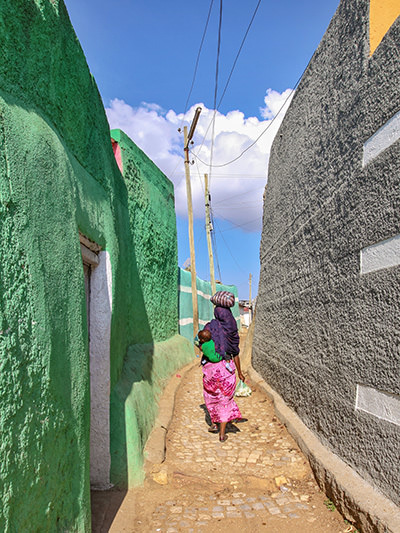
(237, 188)
(274, 101)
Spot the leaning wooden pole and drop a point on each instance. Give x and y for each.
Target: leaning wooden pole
(191, 234)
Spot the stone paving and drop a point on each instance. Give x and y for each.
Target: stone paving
(258, 480)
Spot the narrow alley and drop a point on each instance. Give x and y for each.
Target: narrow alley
(258, 480)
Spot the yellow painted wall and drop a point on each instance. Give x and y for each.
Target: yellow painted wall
(382, 14)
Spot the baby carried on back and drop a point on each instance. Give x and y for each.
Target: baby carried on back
(207, 346)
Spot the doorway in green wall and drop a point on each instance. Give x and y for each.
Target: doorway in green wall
(97, 272)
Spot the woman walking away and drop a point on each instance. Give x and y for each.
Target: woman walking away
(219, 379)
(231, 334)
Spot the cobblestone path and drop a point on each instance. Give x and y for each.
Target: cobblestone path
(257, 480)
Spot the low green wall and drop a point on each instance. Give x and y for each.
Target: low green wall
(147, 369)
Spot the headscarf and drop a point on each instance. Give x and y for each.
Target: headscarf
(224, 316)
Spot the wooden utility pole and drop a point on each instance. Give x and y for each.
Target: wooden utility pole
(208, 231)
(187, 139)
(250, 304)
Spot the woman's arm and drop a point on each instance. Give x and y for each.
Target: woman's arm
(236, 360)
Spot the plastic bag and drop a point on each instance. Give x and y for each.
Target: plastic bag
(242, 389)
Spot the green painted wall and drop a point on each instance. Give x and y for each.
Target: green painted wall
(148, 365)
(58, 176)
(153, 223)
(147, 369)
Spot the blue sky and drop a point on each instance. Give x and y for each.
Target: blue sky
(142, 54)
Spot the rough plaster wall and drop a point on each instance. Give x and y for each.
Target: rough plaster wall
(321, 327)
(153, 223)
(53, 129)
(149, 361)
(99, 352)
(44, 397)
(147, 369)
(43, 66)
(58, 176)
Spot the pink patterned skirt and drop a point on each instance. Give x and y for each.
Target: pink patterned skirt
(219, 389)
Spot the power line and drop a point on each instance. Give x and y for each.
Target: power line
(226, 244)
(233, 176)
(235, 226)
(257, 139)
(240, 206)
(214, 244)
(238, 54)
(239, 194)
(197, 60)
(262, 133)
(216, 108)
(216, 88)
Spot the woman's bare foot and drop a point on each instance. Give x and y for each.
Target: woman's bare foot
(222, 436)
(213, 428)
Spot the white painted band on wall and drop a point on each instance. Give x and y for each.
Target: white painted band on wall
(388, 134)
(183, 288)
(99, 351)
(384, 254)
(382, 405)
(187, 321)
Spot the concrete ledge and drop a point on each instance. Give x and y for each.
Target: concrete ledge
(154, 451)
(357, 500)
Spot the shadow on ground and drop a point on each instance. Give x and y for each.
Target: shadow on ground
(105, 505)
(230, 428)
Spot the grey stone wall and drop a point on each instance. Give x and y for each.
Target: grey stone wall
(324, 328)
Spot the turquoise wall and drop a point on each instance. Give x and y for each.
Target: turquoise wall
(58, 176)
(206, 308)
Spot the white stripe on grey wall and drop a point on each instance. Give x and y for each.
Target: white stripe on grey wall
(384, 254)
(388, 134)
(382, 405)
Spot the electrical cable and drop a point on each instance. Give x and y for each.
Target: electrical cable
(238, 54)
(226, 244)
(236, 226)
(216, 108)
(262, 133)
(216, 88)
(233, 176)
(197, 61)
(214, 244)
(256, 140)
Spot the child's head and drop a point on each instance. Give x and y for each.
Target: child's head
(204, 336)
